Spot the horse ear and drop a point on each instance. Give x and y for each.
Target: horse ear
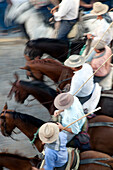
(24, 68)
(16, 76)
(31, 43)
(5, 107)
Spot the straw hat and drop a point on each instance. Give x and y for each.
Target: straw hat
(99, 8)
(49, 132)
(63, 101)
(100, 45)
(74, 61)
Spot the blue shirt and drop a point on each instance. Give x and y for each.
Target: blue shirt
(70, 115)
(56, 158)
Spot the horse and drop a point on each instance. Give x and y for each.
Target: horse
(58, 49)
(100, 136)
(45, 95)
(16, 162)
(60, 74)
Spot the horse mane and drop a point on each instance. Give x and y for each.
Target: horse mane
(36, 84)
(27, 118)
(31, 43)
(46, 61)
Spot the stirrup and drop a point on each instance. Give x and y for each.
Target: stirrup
(73, 159)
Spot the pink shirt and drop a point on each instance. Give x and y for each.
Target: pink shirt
(97, 62)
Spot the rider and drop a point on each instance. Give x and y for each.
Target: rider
(67, 14)
(105, 20)
(82, 72)
(102, 53)
(71, 110)
(56, 154)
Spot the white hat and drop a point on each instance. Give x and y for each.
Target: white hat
(99, 8)
(74, 61)
(101, 44)
(49, 132)
(63, 101)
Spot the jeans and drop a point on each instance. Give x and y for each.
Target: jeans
(65, 28)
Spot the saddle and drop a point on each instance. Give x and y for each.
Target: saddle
(73, 159)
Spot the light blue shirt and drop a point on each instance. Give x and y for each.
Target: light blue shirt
(79, 78)
(55, 158)
(70, 115)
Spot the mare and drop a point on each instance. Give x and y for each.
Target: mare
(101, 137)
(56, 48)
(56, 71)
(45, 95)
(16, 162)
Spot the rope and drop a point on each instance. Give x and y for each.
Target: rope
(35, 136)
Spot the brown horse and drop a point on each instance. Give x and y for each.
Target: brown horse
(16, 162)
(101, 137)
(56, 71)
(45, 95)
(58, 49)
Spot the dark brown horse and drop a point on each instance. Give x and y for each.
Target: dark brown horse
(16, 162)
(45, 95)
(56, 71)
(58, 49)
(101, 137)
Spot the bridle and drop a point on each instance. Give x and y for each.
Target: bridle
(5, 125)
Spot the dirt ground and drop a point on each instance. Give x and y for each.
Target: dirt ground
(11, 59)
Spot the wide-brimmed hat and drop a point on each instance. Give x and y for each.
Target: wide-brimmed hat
(101, 44)
(74, 61)
(49, 132)
(63, 101)
(99, 8)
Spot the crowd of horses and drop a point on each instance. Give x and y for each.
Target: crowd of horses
(100, 127)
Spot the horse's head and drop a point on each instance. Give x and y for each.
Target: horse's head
(19, 91)
(33, 71)
(6, 121)
(31, 52)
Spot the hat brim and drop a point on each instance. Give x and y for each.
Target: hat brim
(76, 64)
(102, 12)
(63, 107)
(53, 138)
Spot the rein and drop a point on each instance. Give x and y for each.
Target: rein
(69, 50)
(35, 136)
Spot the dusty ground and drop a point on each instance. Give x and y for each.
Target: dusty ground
(11, 58)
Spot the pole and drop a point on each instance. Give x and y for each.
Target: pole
(82, 117)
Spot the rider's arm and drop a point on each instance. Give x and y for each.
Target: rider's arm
(57, 112)
(83, 4)
(66, 129)
(54, 9)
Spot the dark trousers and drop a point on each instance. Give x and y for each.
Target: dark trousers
(80, 141)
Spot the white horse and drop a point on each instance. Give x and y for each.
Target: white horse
(27, 15)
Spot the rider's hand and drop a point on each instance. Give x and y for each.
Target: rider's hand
(56, 113)
(60, 126)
